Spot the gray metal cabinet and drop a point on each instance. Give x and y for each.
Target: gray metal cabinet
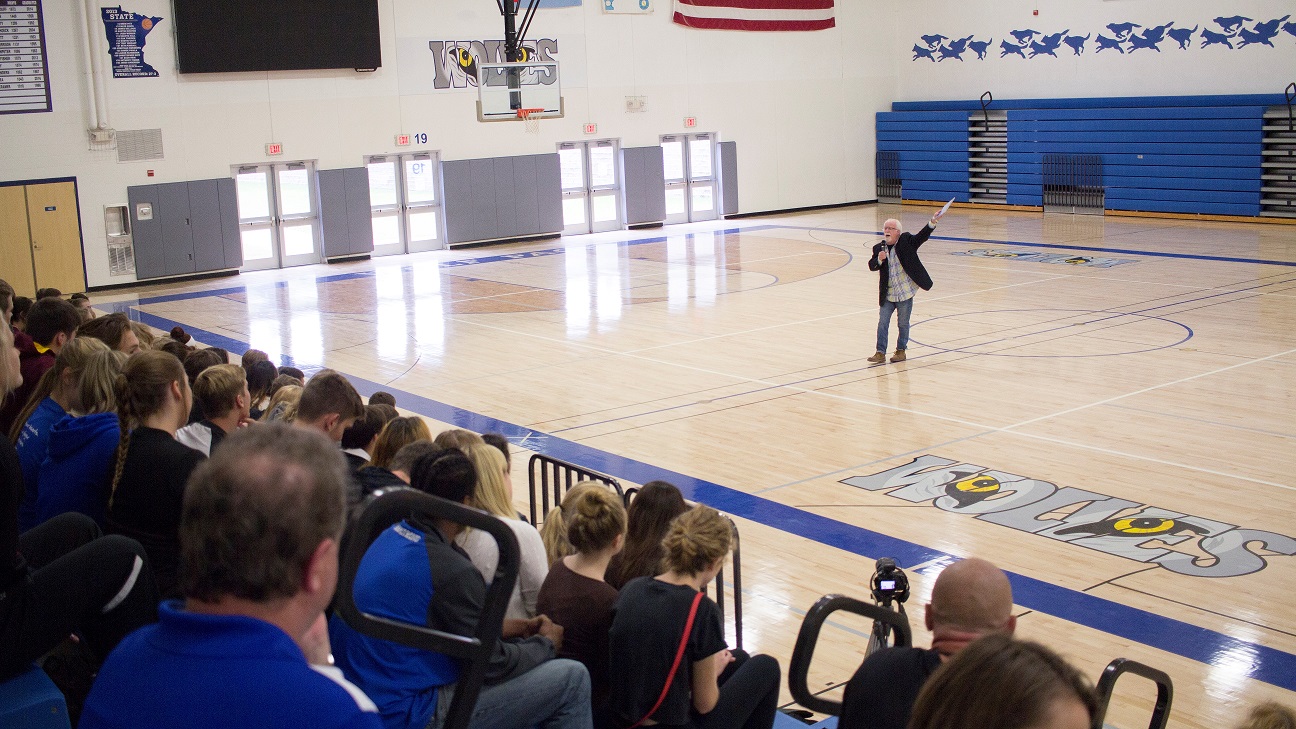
(187, 227)
(345, 221)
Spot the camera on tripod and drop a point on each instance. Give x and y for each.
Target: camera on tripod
(889, 583)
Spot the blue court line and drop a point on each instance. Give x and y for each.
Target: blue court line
(1095, 249)
(1266, 664)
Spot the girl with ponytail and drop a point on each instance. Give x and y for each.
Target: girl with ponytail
(151, 467)
(670, 664)
(55, 396)
(589, 527)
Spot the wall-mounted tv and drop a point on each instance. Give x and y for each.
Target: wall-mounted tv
(218, 36)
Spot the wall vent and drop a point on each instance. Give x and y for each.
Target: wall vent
(134, 145)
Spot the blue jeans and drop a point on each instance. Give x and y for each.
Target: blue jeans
(553, 695)
(884, 323)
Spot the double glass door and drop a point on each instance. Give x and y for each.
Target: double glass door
(278, 209)
(692, 191)
(405, 202)
(591, 186)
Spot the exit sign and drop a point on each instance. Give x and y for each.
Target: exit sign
(402, 140)
(591, 128)
(274, 148)
(690, 122)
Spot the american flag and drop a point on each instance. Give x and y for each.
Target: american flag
(755, 14)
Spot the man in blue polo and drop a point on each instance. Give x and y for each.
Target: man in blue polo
(248, 646)
(897, 285)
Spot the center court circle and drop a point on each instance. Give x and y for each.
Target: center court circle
(1058, 333)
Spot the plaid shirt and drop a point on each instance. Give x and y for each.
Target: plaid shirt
(899, 286)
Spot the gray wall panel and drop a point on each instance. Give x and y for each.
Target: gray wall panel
(729, 178)
(334, 227)
(146, 235)
(359, 210)
(177, 241)
(456, 180)
(506, 196)
(525, 204)
(229, 222)
(205, 225)
(548, 188)
(483, 199)
(645, 184)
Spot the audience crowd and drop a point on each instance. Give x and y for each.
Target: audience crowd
(178, 519)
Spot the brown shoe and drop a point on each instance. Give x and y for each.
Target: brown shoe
(899, 356)
(878, 358)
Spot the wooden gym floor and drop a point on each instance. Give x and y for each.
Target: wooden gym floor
(1102, 406)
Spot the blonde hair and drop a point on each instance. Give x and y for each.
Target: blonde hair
(98, 386)
(491, 494)
(589, 520)
(457, 438)
(695, 540)
(1270, 715)
(286, 396)
(6, 344)
(395, 435)
(72, 358)
(217, 388)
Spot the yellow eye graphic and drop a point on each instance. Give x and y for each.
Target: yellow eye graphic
(1144, 526)
(978, 485)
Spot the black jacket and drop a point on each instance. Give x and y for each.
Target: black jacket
(906, 249)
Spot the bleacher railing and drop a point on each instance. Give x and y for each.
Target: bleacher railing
(888, 177)
(1073, 183)
(550, 478)
(1122, 666)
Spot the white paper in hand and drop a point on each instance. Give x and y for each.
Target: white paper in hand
(951, 202)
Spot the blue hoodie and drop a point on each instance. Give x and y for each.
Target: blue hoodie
(75, 475)
(33, 446)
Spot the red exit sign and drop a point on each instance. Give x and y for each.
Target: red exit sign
(690, 122)
(402, 140)
(591, 128)
(274, 148)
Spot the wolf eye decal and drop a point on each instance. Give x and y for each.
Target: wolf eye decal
(1133, 527)
(973, 489)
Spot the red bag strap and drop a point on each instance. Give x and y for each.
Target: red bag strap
(679, 656)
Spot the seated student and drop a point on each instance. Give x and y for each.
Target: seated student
(382, 398)
(592, 522)
(1270, 715)
(649, 517)
(359, 440)
(251, 357)
(222, 393)
(294, 373)
(248, 646)
(63, 576)
(51, 323)
(397, 473)
(112, 329)
(328, 404)
(195, 363)
(493, 494)
(283, 401)
(711, 686)
(21, 305)
(395, 435)
(457, 438)
(74, 475)
(261, 376)
(55, 396)
(500, 442)
(151, 467)
(1006, 684)
(82, 304)
(414, 573)
(971, 598)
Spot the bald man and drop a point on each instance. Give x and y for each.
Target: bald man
(971, 598)
(897, 285)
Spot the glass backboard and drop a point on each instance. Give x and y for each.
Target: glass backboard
(503, 88)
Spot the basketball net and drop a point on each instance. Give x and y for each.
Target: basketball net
(531, 118)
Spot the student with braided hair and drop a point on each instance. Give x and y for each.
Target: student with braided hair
(151, 467)
(670, 664)
(51, 401)
(589, 527)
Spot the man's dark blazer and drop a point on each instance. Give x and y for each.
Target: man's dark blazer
(906, 249)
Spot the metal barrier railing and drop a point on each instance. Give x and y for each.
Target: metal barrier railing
(888, 176)
(808, 638)
(551, 478)
(1073, 183)
(554, 478)
(1122, 666)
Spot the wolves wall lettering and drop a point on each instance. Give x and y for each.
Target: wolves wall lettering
(454, 63)
(1129, 529)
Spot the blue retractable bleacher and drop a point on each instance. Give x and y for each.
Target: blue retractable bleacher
(32, 701)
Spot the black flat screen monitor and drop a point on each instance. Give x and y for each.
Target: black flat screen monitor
(218, 36)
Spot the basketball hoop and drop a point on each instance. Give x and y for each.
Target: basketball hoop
(532, 121)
